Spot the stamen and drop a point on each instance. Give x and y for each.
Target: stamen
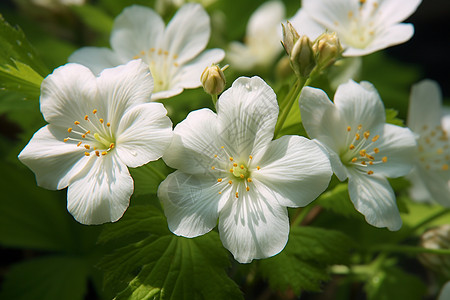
(445, 167)
(219, 180)
(370, 172)
(69, 130)
(351, 147)
(108, 124)
(354, 159)
(230, 182)
(249, 180)
(362, 152)
(357, 136)
(247, 188)
(359, 127)
(231, 158)
(104, 153)
(366, 134)
(94, 111)
(76, 123)
(242, 176)
(97, 153)
(349, 128)
(111, 146)
(231, 170)
(79, 143)
(87, 153)
(258, 168)
(242, 167)
(237, 195)
(235, 165)
(87, 147)
(213, 168)
(376, 150)
(66, 139)
(375, 138)
(86, 117)
(384, 159)
(101, 121)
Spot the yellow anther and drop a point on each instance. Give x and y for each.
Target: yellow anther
(152, 49)
(363, 163)
(251, 157)
(351, 147)
(370, 156)
(83, 136)
(78, 144)
(220, 192)
(104, 153)
(160, 51)
(350, 14)
(258, 168)
(375, 138)
(376, 150)
(65, 140)
(101, 121)
(357, 136)
(97, 153)
(359, 127)
(215, 155)
(94, 111)
(142, 52)
(108, 124)
(87, 153)
(354, 159)
(213, 168)
(237, 195)
(87, 147)
(166, 52)
(86, 117)
(87, 132)
(222, 147)
(175, 56)
(249, 180)
(349, 128)
(111, 146)
(445, 167)
(230, 182)
(136, 57)
(176, 64)
(242, 176)
(69, 130)
(219, 180)
(235, 165)
(231, 170)
(366, 134)
(370, 162)
(76, 123)
(247, 188)
(370, 172)
(384, 159)
(242, 167)
(440, 151)
(362, 152)
(231, 159)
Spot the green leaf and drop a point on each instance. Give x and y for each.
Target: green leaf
(391, 117)
(302, 265)
(48, 278)
(338, 201)
(164, 266)
(21, 78)
(94, 17)
(393, 283)
(148, 177)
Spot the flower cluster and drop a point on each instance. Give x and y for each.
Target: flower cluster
(236, 168)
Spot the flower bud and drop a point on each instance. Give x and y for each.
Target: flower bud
(327, 49)
(213, 79)
(436, 238)
(290, 36)
(302, 57)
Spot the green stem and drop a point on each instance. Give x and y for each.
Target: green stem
(214, 100)
(291, 97)
(409, 249)
(301, 213)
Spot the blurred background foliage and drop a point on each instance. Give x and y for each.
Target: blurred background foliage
(45, 254)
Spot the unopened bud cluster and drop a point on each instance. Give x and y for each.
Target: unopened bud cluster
(305, 55)
(436, 238)
(213, 79)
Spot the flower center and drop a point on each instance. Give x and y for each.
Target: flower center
(434, 149)
(236, 176)
(362, 152)
(361, 26)
(163, 67)
(92, 133)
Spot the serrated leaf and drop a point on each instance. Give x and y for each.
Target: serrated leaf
(338, 201)
(391, 117)
(49, 278)
(162, 265)
(21, 78)
(302, 265)
(393, 283)
(148, 177)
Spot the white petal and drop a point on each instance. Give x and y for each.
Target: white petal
(320, 118)
(265, 18)
(425, 105)
(394, 11)
(445, 292)
(166, 94)
(398, 145)
(144, 134)
(194, 143)
(96, 59)
(360, 104)
(189, 74)
(374, 198)
(294, 169)
(53, 161)
(253, 227)
(393, 35)
(418, 190)
(191, 204)
(65, 94)
(122, 87)
(187, 33)
(137, 28)
(329, 13)
(241, 56)
(437, 184)
(247, 113)
(100, 193)
(306, 25)
(336, 164)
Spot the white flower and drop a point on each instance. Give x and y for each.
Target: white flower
(361, 146)
(262, 41)
(431, 175)
(229, 168)
(444, 294)
(363, 26)
(173, 53)
(97, 127)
